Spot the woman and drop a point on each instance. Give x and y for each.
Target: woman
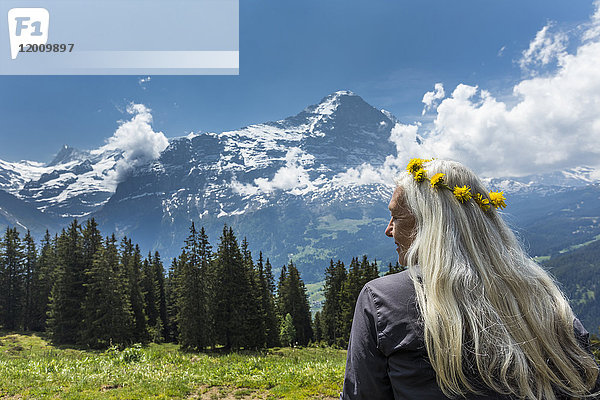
(473, 316)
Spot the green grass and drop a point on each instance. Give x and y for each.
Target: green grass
(568, 249)
(332, 224)
(316, 295)
(577, 246)
(541, 259)
(310, 252)
(32, 368)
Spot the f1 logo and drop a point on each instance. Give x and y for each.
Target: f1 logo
(27, 26)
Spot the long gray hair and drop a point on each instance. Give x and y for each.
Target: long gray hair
(491, 314)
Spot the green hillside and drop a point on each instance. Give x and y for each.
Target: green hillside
(578, 272)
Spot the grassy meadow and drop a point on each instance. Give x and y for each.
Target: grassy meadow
(32, 368)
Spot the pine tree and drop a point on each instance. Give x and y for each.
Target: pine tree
(254, 328)
(68, 292)
(42, 283)
(31, 276)
(348, 296)
(12, 291)
(394, 269)
(288, 331)
(131, 261)
(208, 291)
(91, 241)
(171, 284)
(149, 288)
(192, 316)
(267, 299)
(282, 292)
(293, 299)
(106, 309)
(159, 279)
(317, 327)
(229, 307)
(368, 271)
(335, 276)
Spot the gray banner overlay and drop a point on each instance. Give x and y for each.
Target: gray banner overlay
(131, 37)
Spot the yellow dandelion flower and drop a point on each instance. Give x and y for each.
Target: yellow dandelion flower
(482, 201)
(416, 164)
(462, 193)
(437, 180)
(497, 199)
(420, 175)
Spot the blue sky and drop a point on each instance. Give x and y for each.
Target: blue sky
(291, 55)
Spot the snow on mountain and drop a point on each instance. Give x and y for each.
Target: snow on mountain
(67, 154)
(279, 173)
(74, 186)
(76, 183)
(280, 183)
(298, 155)
(14, 175)
(548, 182)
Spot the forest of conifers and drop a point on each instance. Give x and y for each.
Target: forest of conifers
(86, 289)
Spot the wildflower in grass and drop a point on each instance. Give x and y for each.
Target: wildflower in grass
(497, 199)
(482, 201)
(462, 193)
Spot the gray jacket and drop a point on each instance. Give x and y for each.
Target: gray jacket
(386, 354)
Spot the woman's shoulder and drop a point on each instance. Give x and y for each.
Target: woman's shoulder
(392, 288)
(398, 323)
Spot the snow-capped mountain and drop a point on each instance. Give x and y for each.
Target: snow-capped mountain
(274, 181)
(14, 175)
(283, 184)
(298, 155)
(549, 182)
(74, 184)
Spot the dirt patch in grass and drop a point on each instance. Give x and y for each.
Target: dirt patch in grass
(106, 388)
(12, 338)
(229, 393)
(13, 350)
(234, 393)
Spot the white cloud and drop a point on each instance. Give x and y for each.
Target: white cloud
(143, 81)
(550, 122)
(137, 140)
(592, 30)
(554, 124)
(292, 177)
(430, 99)
(545, 48)
(404, 138)
(501, 51)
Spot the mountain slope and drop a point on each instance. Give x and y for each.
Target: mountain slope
(74, 184)
(15, 212)
(283, 184)
(578, 272)
(272, 182)
(551, 221)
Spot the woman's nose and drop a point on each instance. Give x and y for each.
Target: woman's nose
(389, 229)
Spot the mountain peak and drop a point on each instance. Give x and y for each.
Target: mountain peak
(65, 154)
(340, 93)
(330, 103)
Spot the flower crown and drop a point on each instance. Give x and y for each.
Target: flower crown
(462, 194)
